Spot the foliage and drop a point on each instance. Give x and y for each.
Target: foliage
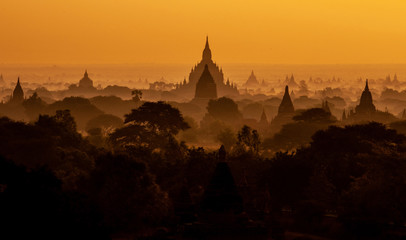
(33, 205)
(315, 115)
(248, 140)
(81, 109)
(299, 133)
(357, 171)
(150, 125)
(137, 95)
(126, 193)
(104, 121)
(227, 138)
(52, 141)
(224, 109)
(34, 106)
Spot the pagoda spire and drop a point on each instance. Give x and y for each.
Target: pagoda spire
(18, 93)
(366, 103)
(286, 105)
(207, 51)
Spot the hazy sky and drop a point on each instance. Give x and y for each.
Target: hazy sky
(173, 31)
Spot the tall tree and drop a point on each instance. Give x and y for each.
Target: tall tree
(150, 125)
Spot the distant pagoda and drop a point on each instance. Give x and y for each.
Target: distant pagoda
(18, 93)
(252, 81)
(286, 106)
(187, 88)
(86, 82)
(286, 111)
(366, 105)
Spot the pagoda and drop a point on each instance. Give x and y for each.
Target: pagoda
(366, 105)
(18, 93)
(188, 88)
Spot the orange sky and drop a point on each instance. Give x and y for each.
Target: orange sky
(173, 31)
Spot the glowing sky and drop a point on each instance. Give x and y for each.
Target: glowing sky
(173, 31)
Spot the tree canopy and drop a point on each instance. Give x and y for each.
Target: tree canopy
(151, 125)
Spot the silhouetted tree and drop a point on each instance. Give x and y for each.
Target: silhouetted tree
(357, 171)
(150, 125)
(315, 115)
(81, 109)
(53, 142)
(299, 133)
(288, 178)
(137, 95)
(224, 109)
(221, 195)
(227, 138)
(104, 121)
(399, 126)
(127, 194)
(34, 106)
(248, 140)
(33, 205)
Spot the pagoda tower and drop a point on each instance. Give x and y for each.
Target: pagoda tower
(18, 93)
(286, 111)
(286, 105)
(86, 82)
(366, 105)
(187, 89)
(252, 80)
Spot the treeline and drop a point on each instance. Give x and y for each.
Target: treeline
(143, 182)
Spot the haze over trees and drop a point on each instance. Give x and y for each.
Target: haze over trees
(298, 158)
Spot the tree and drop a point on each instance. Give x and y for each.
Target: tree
(150, 125)
(34, 106)
(315, 115)
(34, 205)
(358, 171)
(299, 132)
(51, 142)
(137, 95)
(104, 121)
(65, 119)
(224, 109)
(80, 108)
(126, 193)
(248, 140)
(227, 138)
(399, 126)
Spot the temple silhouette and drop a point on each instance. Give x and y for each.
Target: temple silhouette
(84, 87)
(366, 105)
(18, 93)
(86, 82)
(366, 111)
(286, 111)
(252, 81)
(286, 106)
(187, 88)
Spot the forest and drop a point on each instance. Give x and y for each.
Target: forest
(141, 181)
